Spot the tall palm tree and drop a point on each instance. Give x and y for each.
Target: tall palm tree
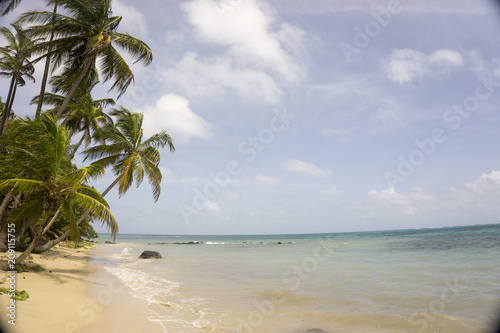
(130, 157)
(45, 76)
(40, 168)
(15, 63)
(6, 6)
(87, 34)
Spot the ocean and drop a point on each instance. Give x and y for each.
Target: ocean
(428, 280)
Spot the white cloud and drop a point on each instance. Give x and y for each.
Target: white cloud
(389, 196)
(490, 181)
(482, 67)
(304, 167)
(253, 55)
(268, 181)
(478, 198)
(133, 21)
(173, 114)
(245, 28)
(421, 196)
(410, 66)
(212, 206)
(415, 198)
(213, 76)
(166, 173)
(332, 191)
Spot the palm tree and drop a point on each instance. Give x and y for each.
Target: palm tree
(15, 63)
(6, 8)
(86, 35)
(82, 114)
(45, 76)
(8, 5)
(128, 154)
(40, 168)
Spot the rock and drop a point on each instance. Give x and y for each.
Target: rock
(279, 243)
(109, 242)
(150, 254)
(189, 243)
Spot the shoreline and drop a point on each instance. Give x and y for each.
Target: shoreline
(73, 294)
(111, 307)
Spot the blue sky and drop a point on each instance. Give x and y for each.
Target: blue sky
(313, 116)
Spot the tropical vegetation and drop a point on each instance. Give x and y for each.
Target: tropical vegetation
(43, 191)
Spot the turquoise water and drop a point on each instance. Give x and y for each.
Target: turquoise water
(428, 280)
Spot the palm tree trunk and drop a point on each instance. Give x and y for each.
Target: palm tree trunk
(113, 184)
(63, 106)
(45, 76)
(35, 239)
(84, 136)
(5, 204)
(3, 222)
(6, 110)
(52, 221)
(52, 243)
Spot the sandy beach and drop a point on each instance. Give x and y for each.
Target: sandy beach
(72, 296)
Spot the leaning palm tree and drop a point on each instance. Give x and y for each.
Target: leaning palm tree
(15, 63)
(130, 157)
(87, 34)
(41, 169)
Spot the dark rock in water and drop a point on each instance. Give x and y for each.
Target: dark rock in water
(150, 254)
(109, 242)
(189, 243)
(279, 243)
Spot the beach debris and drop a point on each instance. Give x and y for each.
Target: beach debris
(150, 255)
